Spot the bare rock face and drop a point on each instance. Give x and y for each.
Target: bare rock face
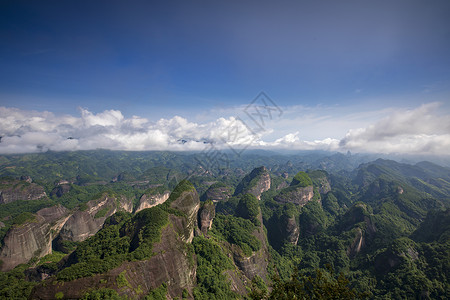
(188, 203)
(83, 224)
(20, 190)
(324, 185)
(357, 244)
(206, 216)
(356, 215)
(255, 264)
(171, 264)
(295, 194)
(255, 183)
(218, 193)
(147, 201)
(33, 238)
(292, 231)
(60, 190)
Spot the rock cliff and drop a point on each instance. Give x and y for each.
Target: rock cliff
(218, 192)
(255, 183)
(255, 264)
(14, 190)
(172, 264)
(206, 216)
(150, 200)
(32, 238)
(300, 192)
(85, 223)
(295, 194)
(186, 200)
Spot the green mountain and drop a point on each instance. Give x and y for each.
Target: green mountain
(156, 225)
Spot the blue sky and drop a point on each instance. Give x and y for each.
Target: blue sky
(203, 60)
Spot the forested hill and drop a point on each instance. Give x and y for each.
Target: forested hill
(157, 225)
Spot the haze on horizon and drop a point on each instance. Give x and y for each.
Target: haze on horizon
(363, 76)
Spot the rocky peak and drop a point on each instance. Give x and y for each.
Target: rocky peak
(255, 183)
(300, 191)
(150, 200)
(218, 192)
(14, 190)
(185, 199)
(32, 238)
(90, 217)
(206, 215)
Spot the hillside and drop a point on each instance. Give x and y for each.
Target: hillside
(227, 234)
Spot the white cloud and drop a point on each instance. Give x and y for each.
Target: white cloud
(422, 130)
(419, 131)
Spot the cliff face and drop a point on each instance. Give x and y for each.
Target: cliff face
(255, 264)
(33, 238)
(291, 231)
(60, 190)
(172, 264)
(295, 194)
(83, 224)
(206, 216)
(359, 220)
(147, 201)
(217, 194)
(20, 190)
(188, 203)
(255, 183)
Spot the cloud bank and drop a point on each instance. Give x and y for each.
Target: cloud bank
(418, 131)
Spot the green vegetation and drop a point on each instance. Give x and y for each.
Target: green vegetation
(322, 285)
(123, 238)
(211, 262)
(383, 226)
(9, 212)
(250, 180)
(102, 212)
(158, 293)
(13, 284)
(122, 280)
(23, 218)
(101, 294)
(248, 208)
(301, 179)
(238, 231)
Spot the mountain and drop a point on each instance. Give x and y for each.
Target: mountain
(149, 225)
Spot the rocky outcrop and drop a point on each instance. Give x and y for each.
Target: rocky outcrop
(85, 223)
(401, 251)
(360, 221)
(357, 243)
(14, 190)
(295, 194)
(218, 193)
(291, 231)
(255, 264)
(323, 185)
(300, 192)
(172, 264)
(255, 183)
(149, 200)
(60, 190)
(33, 238)
(188, 203)
(206, 216)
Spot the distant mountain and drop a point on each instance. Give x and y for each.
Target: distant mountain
(146, 225)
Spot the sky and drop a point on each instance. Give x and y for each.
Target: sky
(364, 76)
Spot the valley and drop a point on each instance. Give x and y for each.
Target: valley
(158, 225)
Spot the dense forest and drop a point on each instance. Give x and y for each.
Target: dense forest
(152, 225)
